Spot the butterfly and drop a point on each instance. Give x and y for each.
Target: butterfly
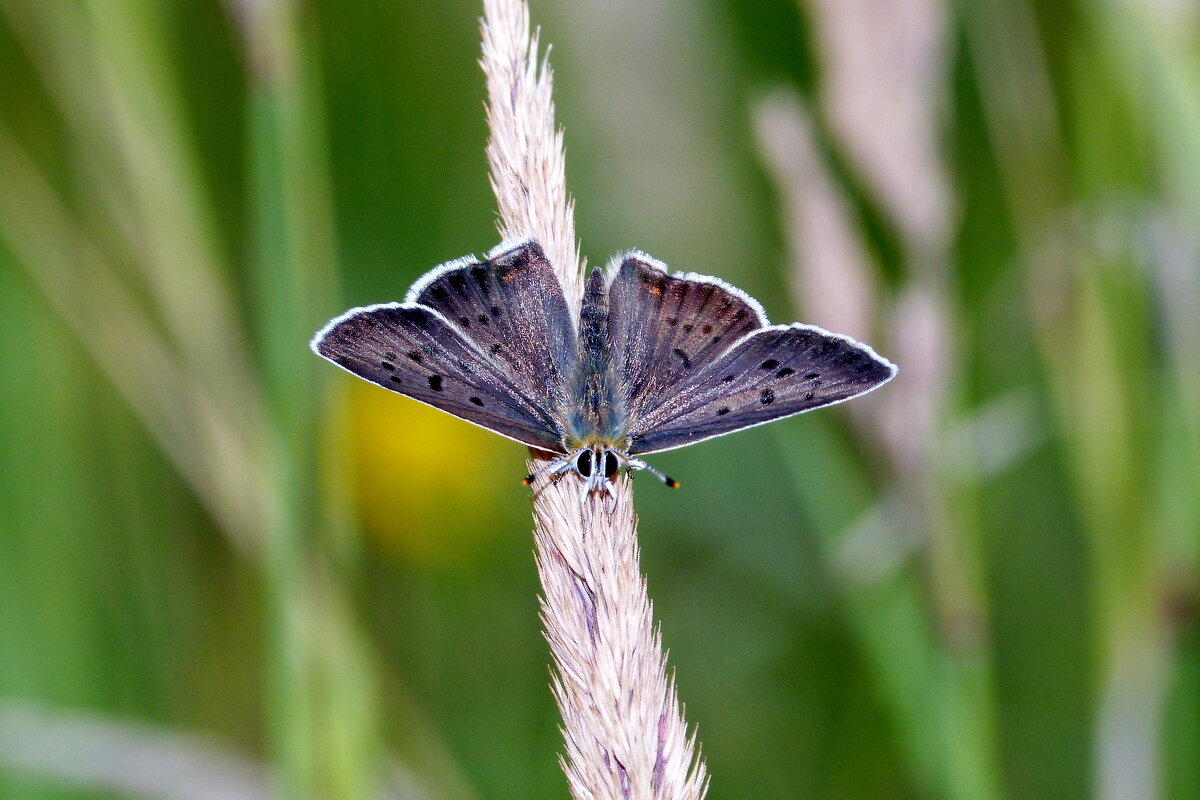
(656, 361)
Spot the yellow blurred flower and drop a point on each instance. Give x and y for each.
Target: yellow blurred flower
(427, 485)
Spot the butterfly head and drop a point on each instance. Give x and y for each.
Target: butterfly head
(598, 466)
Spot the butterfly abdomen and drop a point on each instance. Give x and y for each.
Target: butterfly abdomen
(597, 405)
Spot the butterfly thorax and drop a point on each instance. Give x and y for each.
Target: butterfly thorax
(597, 406)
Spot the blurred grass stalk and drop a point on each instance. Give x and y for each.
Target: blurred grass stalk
(921, 622)
(882, 594)
(165, 369)
(1092, 312)
(1157, 72)
(926, 646)
(184, 363)
(1122, 413)
(321, 693)
(100, 753)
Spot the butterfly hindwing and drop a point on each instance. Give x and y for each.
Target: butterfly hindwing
(775, 372)
(511, 307)
(665, 328)
(413, 350)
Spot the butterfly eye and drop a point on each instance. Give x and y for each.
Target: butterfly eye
(584, 463)
(610, 464)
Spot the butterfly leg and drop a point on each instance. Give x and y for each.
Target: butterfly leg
(598, 489)
(609, 498)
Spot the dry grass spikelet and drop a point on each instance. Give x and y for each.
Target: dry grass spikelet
(625, 733)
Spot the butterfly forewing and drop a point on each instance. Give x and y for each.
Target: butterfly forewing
(511, 306)
(775, 372)
(664, 329)
(413, 350)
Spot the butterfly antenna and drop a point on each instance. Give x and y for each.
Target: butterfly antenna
(555, 467)
(637, 463)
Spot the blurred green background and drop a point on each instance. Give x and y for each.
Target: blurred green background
(225, 566)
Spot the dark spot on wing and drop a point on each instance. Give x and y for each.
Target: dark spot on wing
(722, 411)
(716, 339)
(687, 328)
(672, 321)
(439, 293)
(495, 311)
(812, 375)
(770, 363)
(482, 318)
(435, 382)
(706, 329)
(740, 315)
(370, 322)
(457, 281)
(389, 366)
(687, 363)
(480, 275)
(496, 348)
(464, 321)
(476, 401)
(394, 378)
(415, 356)
(768, 397)
(808, 396)
(727, 379)
(783, 373)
